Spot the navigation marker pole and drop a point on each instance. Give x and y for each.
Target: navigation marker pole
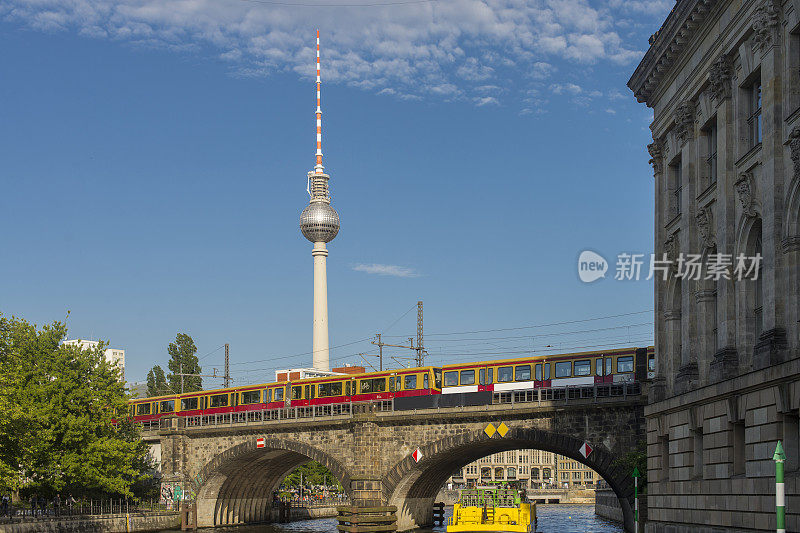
(636, 475)
(780, 494)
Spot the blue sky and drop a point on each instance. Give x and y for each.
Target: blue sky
(153, 159)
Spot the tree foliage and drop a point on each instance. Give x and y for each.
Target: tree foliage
(636, 458)
(157, 382)
(57, 407)
(311, 473)
(184, 361)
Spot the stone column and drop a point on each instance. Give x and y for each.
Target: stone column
(658, 388)
(771, 344)
(725, 363)
(686, 126)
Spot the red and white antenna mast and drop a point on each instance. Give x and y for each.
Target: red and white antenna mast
(318, 167)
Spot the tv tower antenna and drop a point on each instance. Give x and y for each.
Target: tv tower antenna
(319, 223)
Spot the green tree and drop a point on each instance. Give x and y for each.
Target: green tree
(312, 473)
(157, 382)
(58, 404)
(184, 361)
(636, 458)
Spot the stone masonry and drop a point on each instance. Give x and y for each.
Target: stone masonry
(371, 453)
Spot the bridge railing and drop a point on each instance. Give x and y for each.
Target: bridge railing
(567, 394)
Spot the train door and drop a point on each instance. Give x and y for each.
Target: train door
(485, 379)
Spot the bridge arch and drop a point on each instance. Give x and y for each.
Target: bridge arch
(236, 485)
(412, 486)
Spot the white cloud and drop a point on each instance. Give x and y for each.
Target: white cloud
(444, 49)
(611, 111)
(486, 100)
(386, 270)
(566, 88)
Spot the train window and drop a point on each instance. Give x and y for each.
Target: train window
(392, 382)
(437, 378)
(468, 377)
(143, 409)
(598, 366)
(167, 406)
(251, 396)
(311, 392)
(651, 363)
(188, 404)
(625, 364)
(297, 393)
(490, 376)
(267, 395)
(451, 378)
(505, 373)
(538, 372)
(410, 382)
(348, 388)
(547, 371)
(564, 369)
(425, 381)
(522, 373)
(583, 367)
(397, 383)
(608, 366)
(330, 389)
(482, 376)
(373, 385)
(219, 400)
(279, 394)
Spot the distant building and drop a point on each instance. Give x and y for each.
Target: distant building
(575, 475)
(293, 374)
(113, 355)
(534, 468)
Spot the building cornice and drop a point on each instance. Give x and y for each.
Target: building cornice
(667, 45)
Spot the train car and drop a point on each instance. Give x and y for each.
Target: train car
(625, 365)
(366, 387)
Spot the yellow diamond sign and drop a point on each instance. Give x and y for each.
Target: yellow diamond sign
(490, 430)
(502, 429)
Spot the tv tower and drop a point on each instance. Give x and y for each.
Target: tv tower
(319, 223)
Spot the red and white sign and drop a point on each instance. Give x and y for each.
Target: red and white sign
(417, 455)
(260, 442)
(585, 449)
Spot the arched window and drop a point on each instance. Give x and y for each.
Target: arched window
(511, 473)
(546, 474)
(534, 473)
(486, 472)
(498, 473)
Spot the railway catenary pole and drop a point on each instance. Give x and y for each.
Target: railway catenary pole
(227, 368)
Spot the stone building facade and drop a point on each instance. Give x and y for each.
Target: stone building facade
(723, 79)
(535, 469)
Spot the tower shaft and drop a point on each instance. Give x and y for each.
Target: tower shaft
(321, 354)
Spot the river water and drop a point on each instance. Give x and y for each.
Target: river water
(552, 519)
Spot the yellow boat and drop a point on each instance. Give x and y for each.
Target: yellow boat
(490, 508)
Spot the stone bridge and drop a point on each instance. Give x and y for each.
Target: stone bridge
(233, 473)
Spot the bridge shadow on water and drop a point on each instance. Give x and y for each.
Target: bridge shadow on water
(552, 519)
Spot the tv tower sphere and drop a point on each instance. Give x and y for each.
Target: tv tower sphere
(319, 221)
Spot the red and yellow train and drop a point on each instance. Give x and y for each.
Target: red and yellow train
(413, 388)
